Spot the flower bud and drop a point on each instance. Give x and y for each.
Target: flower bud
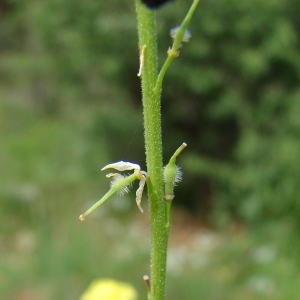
(172, 174)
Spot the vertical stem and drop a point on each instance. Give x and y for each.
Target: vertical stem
(153, 144)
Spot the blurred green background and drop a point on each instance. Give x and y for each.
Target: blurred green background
(70, 103)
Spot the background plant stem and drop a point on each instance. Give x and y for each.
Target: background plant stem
(153, 144)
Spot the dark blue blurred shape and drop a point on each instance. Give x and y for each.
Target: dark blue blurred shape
(154, 3)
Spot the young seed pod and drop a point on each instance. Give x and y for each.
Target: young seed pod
(119, 185)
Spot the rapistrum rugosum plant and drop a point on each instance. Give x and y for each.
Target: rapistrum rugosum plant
(160, 180)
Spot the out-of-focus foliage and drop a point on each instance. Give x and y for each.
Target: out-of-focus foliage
(241, 90)
(69, 58)
(234, 96)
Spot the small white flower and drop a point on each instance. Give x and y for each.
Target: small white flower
(186, 37)
(116, 177)
(121, 184)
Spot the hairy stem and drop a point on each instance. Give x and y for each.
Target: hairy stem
(153, 145)
(151, 91)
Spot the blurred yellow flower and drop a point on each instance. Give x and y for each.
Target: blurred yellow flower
(109, 289)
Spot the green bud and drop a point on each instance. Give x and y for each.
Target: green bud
(172, 174)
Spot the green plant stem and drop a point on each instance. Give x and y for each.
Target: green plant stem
(173, 52)
(168, 215)
(160, 222)
(153, 145)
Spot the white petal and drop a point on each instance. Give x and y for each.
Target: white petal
(122, 166)
(139, 193)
